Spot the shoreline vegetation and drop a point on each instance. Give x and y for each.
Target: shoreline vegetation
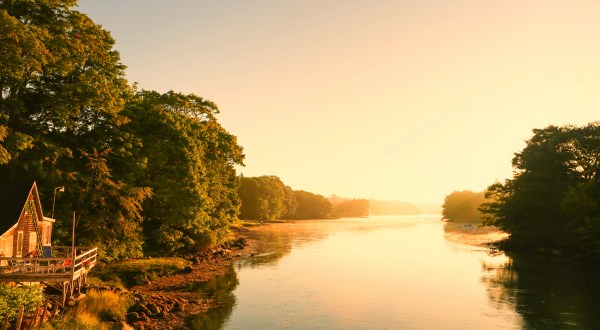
(152, 293)
(550, 205)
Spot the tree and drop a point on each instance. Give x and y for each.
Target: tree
(551, 199)
(187, 159)
(463, 206)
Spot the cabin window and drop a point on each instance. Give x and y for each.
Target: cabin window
(32, 242)
(19, 243)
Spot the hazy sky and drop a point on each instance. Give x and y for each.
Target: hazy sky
(404, 100)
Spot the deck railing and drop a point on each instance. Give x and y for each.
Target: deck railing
(61, 263)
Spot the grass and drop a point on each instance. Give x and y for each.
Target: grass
(99, 310)
(124, 273)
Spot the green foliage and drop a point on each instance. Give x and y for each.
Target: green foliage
(265, 198)
(126, 271)
(187, 159)
(463, 206)
(268, 198)
(552, 199)
(143, 171)
(12, 297)
(62, 89)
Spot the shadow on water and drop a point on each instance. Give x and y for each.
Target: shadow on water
(547, 294)
(219, 289)
(272, 246)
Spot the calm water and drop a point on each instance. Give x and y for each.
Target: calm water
(396, 273)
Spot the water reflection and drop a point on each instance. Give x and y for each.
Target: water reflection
(220, 290)
(548, 294)
(389, 273)
(471, 234)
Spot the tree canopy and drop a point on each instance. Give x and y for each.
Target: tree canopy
(143, 171)
(552, 199)
(266, 198)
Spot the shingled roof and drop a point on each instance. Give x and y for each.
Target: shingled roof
(12, 201)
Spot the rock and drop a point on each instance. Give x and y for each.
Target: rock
(71, 303)
(154, 309)
(133, 317)
(141, 325)
(177, 306)
(141, 279)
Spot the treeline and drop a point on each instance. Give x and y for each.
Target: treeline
(146, 172)
(463, 206)
(268, 198)
(553, 200)
(349, 207)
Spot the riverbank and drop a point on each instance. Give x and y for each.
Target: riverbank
(167, 302)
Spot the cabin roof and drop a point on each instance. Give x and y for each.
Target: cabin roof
(12, 200)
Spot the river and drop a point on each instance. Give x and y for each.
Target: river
(396, 272)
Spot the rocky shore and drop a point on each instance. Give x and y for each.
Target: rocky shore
(166, 303)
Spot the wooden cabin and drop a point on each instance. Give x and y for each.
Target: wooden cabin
(23, 228)
(26, 254)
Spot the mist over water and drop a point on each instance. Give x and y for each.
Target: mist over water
(394, 272)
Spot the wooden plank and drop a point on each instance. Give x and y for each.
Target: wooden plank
(20, 317)
(44, 312)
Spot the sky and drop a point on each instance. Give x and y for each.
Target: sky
(390, 100)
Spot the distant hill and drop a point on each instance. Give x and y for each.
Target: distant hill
(392, 208)
(379, 207)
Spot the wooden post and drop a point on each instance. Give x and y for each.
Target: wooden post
(20, 317)
(44, 312)
(34, 316)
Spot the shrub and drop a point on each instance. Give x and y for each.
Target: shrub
(12, 297)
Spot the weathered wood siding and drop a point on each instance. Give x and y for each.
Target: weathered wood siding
(6, 245)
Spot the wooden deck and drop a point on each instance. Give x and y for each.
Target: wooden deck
(58, 268)
(65, 268)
